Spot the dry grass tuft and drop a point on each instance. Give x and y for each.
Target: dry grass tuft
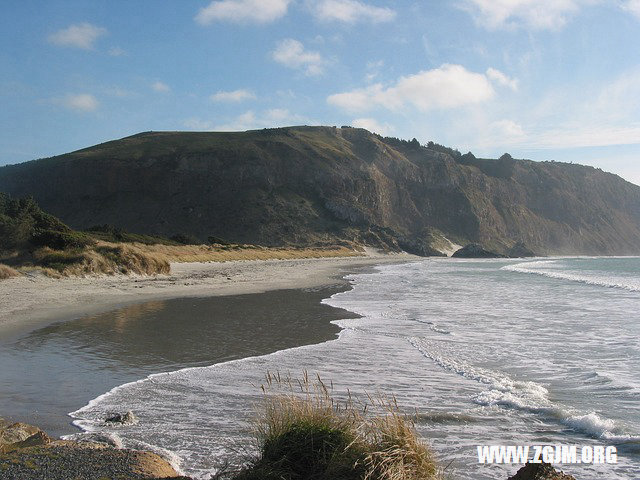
(103, 258)
(307, 434)
(137, 258)
(225, 253)
(7, 272)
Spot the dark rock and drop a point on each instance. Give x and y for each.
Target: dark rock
(540, 471)
(520, 250)
(473, 250)
(418, 247)
(15, 432)
(127, 418)
(37, 439)
(64, 460)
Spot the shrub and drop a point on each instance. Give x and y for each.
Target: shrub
(212, 239)
(186, 239)
(60, 240)
(310, 436)
(110, 233)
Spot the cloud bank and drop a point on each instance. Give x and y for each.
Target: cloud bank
(448, 86)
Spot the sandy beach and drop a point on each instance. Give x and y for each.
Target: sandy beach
(66, 341)
(35, 300)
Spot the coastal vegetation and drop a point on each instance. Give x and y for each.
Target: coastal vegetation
(31, 238)
(306, 434)
(7, 272)
(225, 253)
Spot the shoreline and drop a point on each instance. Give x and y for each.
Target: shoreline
(35, 301)
(287, 292)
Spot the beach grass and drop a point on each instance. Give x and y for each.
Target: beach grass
(7, 272)
(226, 253)
(101, 258)
(108, 258)
(306, 434)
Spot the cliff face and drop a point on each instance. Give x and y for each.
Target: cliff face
(302, 185)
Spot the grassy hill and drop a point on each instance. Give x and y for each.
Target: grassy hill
(321, 186)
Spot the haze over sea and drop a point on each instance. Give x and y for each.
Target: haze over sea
(542, 351)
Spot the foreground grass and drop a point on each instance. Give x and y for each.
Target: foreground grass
(308, 435)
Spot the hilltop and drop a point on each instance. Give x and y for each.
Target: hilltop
(318, 186)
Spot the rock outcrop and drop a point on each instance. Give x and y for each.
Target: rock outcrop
(127, 418)
(540, 471)
(326, 185)
(473, 250)
(14, 432)
(27, 452)
(520, 250)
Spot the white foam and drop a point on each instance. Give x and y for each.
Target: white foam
(524, 396)
(503, 389)
(407, 310)
(537, 268)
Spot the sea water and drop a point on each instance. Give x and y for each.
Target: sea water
(481, 352)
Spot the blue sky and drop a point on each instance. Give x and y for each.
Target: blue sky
(540, 79)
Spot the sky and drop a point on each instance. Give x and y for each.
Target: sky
(539, 79)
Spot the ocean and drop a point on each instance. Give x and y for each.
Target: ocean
(481, 352)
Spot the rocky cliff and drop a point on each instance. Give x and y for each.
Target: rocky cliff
(311, 185)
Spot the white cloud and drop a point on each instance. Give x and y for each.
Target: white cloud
(617, 100)
(373, 125)
(536, 14)
(449, 86)
(243, 11)
(160, 87)
(195, 123)
(506, 129)
(82, 35)
(118, 92)
(116, 52)
(276, 117)
(501, 79)
(373, 70)
(632, 6)
(351, 11)
(244, 121)
(80, 102)
(565, 120)
(234, 96)
(291, 53)
(594, 135)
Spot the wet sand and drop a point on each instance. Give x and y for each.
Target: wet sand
(51, 371)
(30, 302)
